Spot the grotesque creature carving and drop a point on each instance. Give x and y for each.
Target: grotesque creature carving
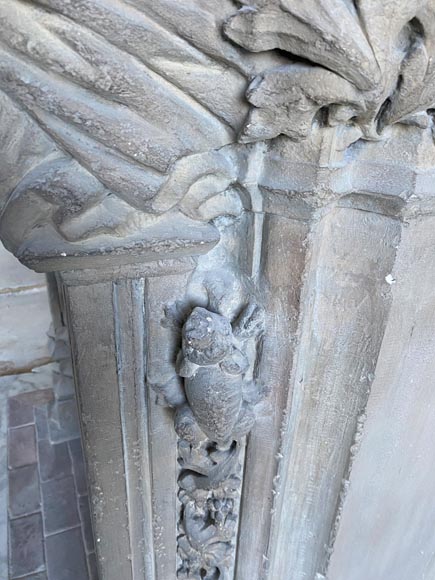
(212, 364)
(214, 361)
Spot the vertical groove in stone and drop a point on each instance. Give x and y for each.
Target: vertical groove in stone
(130, 328)
(282, 266)
(159, 292)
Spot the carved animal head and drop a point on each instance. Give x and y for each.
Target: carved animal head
(207, 337)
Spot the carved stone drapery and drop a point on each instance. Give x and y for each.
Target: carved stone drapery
(221, 191)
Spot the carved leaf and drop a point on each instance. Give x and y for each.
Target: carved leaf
(324, 31)
(370, 64)
(417, 74)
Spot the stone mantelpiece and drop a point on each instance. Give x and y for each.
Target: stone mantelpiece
(221, 195)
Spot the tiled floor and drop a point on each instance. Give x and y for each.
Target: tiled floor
(50, 535)
(45, 529)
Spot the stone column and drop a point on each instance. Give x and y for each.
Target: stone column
(220, 196)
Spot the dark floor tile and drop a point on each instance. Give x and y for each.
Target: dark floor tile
(85, 516)
(66, 557)
(22, 446)
(26, 546)
(59, 505)
(21, 406)
(93, 568)
(54, 460)
(20, 412)
(79, 469)
(24, 496)
(63, 381)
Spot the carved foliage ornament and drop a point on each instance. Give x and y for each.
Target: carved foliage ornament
(359, 63)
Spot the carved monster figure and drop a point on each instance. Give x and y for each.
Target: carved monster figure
(213, 368)
(218, 413)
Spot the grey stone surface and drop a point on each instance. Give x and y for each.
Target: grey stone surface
(24, 494)
(22, 446)
(38, 381)
(14, 276)
(175, 158)
(26, 545)
(25, 319)
(85, 518)
(353, 59)
(76, 453)
(60, 507)
(54, 460)
(21, 408)
(41, 422)
(63, 423)
(92, 566)
(66, 557)
(387, 519)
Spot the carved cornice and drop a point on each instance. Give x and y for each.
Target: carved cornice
(362, 64)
